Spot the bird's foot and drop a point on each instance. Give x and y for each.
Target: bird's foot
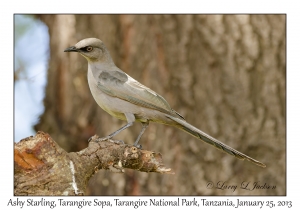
(103, 139)
(139, 146)
(107, 138)
(118, 141)
(92, 138)
(98, 139)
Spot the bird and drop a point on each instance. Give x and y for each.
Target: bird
(125, 98)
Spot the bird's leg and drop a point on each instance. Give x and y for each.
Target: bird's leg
(114, 133)
(144, 126)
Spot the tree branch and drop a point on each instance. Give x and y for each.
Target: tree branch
(44, 168)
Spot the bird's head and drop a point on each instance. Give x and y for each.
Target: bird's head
(92, 49)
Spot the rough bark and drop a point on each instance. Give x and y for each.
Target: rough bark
(226, 74)
(43, 168)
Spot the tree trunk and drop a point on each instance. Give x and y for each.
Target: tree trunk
(226, 74)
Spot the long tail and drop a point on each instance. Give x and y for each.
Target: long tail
(212, 141)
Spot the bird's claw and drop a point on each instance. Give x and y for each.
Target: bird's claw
(90, 139)
(103, 138)
(99, 139)
(139, 146)
(118, 141)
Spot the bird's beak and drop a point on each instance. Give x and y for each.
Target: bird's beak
(71, 49)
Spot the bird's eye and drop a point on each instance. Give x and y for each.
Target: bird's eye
(89, 48)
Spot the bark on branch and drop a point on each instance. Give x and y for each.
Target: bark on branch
(44, 168)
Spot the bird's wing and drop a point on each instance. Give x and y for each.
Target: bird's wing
(119, 84)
